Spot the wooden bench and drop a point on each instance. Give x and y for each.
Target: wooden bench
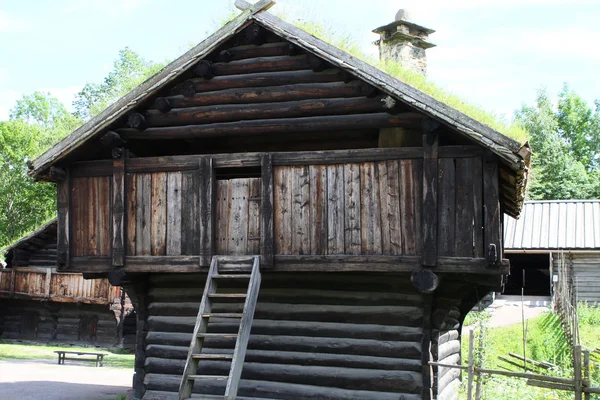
(62, 357)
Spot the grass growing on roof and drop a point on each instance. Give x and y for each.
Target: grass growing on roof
(412, 78)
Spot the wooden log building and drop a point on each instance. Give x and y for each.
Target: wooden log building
(376, 212)
(39, 303)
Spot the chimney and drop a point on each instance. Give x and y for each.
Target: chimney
(404, 42)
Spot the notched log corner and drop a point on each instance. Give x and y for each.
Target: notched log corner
(136, 121)
(424, 280)
(57, 174)
(162, 104)
(111, 140)
(204, 70)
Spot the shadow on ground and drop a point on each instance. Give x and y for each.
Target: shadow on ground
(49, 390)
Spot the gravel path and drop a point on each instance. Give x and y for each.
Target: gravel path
(43, 380)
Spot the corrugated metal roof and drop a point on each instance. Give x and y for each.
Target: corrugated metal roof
(554, 224)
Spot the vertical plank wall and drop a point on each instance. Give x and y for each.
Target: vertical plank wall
(91, 226)
(363, 208)
(376, 208)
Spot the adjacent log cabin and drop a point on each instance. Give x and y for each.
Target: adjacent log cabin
(39, 303)
(376, 212)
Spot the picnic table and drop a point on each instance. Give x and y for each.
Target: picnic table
(62, 356)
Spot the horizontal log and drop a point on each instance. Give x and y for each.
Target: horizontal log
(281, 125)
(365, 347)
(385, 315)
(347, 378)
(449, 348)
(299, 328)
(253, 51)
(266, 79)
(285, 109)
(269, 293)
(267, 390)
(162, 395)
(267, 94)
(263, 64)
(448, 378)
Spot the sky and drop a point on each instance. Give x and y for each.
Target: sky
(493, 53)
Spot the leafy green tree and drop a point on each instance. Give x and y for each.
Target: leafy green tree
(24, 203)
(46, 111)
(129, 70)
(563, 166)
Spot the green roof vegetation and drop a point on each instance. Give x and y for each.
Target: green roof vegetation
(414, 79)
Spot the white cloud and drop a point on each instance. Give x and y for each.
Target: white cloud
(12, 24)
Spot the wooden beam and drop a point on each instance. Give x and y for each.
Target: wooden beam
(63, 240)
(283, 125)
(492, 234)
(262, 5)
(268, 94)
(267, 243)
(207, 210)
(253, 51)
(241, 112)
(57, 174)
(430, 199)
(118, 208)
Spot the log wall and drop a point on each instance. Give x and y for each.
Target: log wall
(57, 322)
(321, 337)
(584, 272)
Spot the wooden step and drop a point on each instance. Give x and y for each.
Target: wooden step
(207, 377)
(232, 276)
(218, 335)
(227, 295)
(222, 315)
(212, 356)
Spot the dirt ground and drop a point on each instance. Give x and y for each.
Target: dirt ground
(45, 380)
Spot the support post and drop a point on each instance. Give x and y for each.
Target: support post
(138, 292)
(426, 358)
(577, 371)
(118, 207)
(266, 212)
(207, 210)
(471, 368)
(63, 198)
(430, 199)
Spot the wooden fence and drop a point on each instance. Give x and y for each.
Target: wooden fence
(579, 384)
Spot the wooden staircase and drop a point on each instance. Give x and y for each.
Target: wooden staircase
(223, 269)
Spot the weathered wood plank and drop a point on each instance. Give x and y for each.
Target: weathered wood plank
(92, 207)
(407, 207)
(105, 222)
(430, 199)
(370, 209)
(464, 208)
(238, 217)
(492, 215)
(222, 214)
(300, 210)
(352, 211)
(318, 209)
(131, 196)
(190, 211)
(254, 207)
(477, 179)
(158, 219)
(63, 232)
(283, 210)
(417, 171)
(335, 209)
(143, 214)
(391, 218)
(118, 211)
(267, 246)
(207, 208)
(174, 215)
(447, 204)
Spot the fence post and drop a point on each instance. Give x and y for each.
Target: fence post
(471, 369)
(586, 373)
(577, 371)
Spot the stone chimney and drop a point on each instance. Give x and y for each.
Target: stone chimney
(405, 42)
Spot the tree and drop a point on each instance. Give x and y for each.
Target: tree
(24, 203)
(129, 70)
(44, 110)
(562, 166)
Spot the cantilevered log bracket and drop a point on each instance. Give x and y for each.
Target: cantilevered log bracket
(262, 5)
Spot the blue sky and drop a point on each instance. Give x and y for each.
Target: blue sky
(493, 53)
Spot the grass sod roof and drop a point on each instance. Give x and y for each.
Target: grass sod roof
(506, 148)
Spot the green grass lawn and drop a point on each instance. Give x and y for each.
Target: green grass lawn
(543, 344)
(22, 351)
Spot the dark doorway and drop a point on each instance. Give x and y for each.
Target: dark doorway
(534, 268)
